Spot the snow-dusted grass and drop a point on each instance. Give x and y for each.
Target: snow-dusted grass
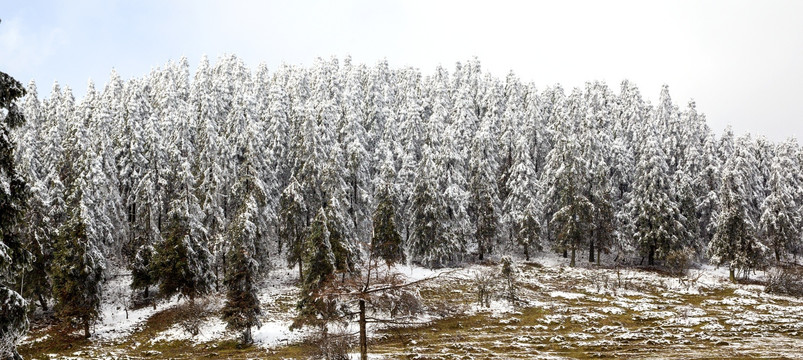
(562, 312)
(597, 312)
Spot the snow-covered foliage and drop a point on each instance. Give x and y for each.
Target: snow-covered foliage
(172, 174)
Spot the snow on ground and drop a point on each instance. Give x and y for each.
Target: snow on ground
(560, 307)
(566, 295)
(115, 322)
(275, 333)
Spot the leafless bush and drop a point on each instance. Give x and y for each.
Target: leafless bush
(509, 274)
(600, 280)
(191, 314)
(690, 280)
(785, 281)
(485, 282)
(399, 302)
(679, 261)
(333, 344)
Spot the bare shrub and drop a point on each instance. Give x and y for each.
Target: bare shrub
(333, 344)
(509, 274)
(679, 261)
(785, 281)
(191, 314)
(690, 280)
(600, 280)
(485, 283)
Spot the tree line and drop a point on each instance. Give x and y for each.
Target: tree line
(201, 182)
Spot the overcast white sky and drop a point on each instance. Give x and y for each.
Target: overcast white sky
(742, 61)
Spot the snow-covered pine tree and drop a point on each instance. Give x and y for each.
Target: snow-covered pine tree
(343, 235)
(386, 242)
(686, 202)
(428, 243)
(566, 177)
(210, 156)
(734, 243)
(411, 133)
(277, 118)
(293, 224)
(572, 218)
(484, 205)
(241, 309)
(706, 186)
(655, 213)
(454, 197)
(522, 207)
(316, 307)
(357, 174)
(245, 233)
(780, 216)
(78, 264)
(13, 256)
(37, 233)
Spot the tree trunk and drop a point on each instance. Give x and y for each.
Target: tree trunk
(527, 252)
(300, 272)
(573, 256)
(86, 328)
(363, 333)
(651, 256)
(599, 252)
(591, 251)
(247, 339)
(732, 275)
(565, 253)
(42, 302)
(777, 256)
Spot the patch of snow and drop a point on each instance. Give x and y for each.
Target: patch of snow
(566, 295)
(613, 310)
(275, 333)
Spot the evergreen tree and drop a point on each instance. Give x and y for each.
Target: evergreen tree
(522, 207)
(77, 272)
(316, 307)
(386, 242)
(653, 207)
(241, 310)
(182, 263)
(428, 242)
(734, 243)
(780, 219)
(293, 224)
(78, 263)
(485, 203)
(572, 212)
(13, 196)
(38, 233)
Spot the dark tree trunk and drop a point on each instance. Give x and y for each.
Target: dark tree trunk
(42, 302)
(599, 252)
(565, 253)
(591, 251)
(363, 333)
(86, 328)
(651, 256)
(526, 252)
(300, 272)
(572, 264)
